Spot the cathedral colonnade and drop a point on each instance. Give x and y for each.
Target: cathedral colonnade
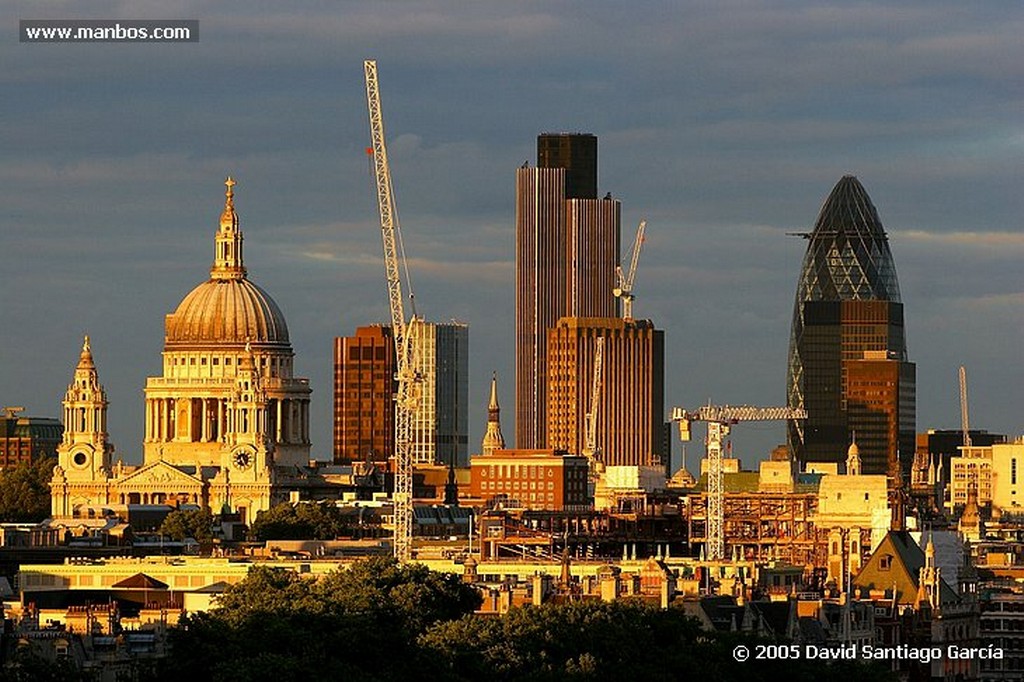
(207, 420)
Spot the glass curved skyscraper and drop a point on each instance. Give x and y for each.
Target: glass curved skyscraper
(847, 355)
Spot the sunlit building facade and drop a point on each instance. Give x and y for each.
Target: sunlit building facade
(848, 320)
(567, 248)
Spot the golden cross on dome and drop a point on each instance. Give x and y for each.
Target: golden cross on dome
(230, 184)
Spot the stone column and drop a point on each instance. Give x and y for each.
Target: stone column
(204, 425)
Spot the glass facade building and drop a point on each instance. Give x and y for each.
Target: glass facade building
(848, 356)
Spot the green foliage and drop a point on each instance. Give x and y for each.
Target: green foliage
(25, 665)
(25, 491)
(304, 521)
(188, 523)
(379, 620)
(357, 623)
(595, 640)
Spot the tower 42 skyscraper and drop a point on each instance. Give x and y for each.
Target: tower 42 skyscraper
(567, 247)
(848, 356)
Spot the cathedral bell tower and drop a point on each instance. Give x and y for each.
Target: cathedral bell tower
(250, 447)
(83, 457)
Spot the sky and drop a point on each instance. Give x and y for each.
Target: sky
(725, 125)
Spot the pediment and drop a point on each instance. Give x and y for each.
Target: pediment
(159, 473)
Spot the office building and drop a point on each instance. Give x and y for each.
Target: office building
(365, 386)
(567, 247)
(545, 479)
(440, 426)
(27, 439)
(630, 423)
(364, 390)
(848, 323)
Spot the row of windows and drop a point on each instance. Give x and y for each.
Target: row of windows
(517, 471)
(356, 353)
(515, 485)
(261, 361)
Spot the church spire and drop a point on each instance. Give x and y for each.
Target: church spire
(227, 257)
(853, 458)
(493, 440)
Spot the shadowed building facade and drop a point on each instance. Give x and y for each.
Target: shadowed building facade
(567, 248)
(848, 357)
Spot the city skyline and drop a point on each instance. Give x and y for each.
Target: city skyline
(724, 127)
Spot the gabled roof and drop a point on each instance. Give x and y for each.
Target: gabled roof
(905, 560)
(158, 472)
(140, 581)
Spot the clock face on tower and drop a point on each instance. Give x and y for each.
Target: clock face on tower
(242, 459)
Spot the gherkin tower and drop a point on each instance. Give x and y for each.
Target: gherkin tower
(847, 355)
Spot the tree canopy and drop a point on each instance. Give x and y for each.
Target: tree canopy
(305, 521)
(188, 523)
(25, 491)
(355, 623)
(379, 620)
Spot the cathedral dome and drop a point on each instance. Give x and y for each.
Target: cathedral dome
(228, 308)
(227, 311)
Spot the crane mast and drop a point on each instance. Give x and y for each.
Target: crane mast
(719, 419)
(590, 442)
(964, 421)
(402, 331)
(624, 283)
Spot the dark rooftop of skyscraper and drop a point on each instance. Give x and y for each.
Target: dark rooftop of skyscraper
(577, 154)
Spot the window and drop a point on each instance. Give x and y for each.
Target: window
(885, 563)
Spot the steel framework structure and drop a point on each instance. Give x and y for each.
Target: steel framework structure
(403, 332)
(623, 282)
(719, 418)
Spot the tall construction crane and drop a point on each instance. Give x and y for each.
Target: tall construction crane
(964, 421)
(719, 419)
(623, 283)
(590, 450)
(403, 332)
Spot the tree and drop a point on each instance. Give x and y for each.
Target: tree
(594, 640)
(25, 491)
(188, 523)
(356, 623)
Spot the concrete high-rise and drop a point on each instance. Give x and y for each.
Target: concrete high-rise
(440, 425)
(848, 357)
(630, 424)
(567, 247)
